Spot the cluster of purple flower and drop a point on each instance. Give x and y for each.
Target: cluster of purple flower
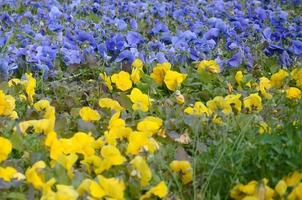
(36, 33)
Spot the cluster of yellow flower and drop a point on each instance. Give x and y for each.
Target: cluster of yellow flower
(232, 103)
(275, 82)
(162, 73)
(130, 146)
(94, 155)
(7, 109)
(289, 187)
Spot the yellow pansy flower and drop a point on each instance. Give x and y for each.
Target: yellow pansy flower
(137, 140)
(174, 79)
(14, 82)
(240, 190)
(137, 70)
(122, 80)
(67, 161)
(217, 120)
(219, 103)
(296, 193)
(107, 80)
(278, 78)
(116, 121)
(113, 187)
(138, 63)
(297, 76)
(160, 190)
(150, 125)
(14, 115)
(50, 138)
(112, 135)
(264, 128)
(29, 85)
(253, 103)
(117, 129)
(84, 187)
(35, 176)
(9, 173)
(47, 192)
(142, 170)
(81, 143)
(184, 167)
(7, 106)
(56, 148)
(111, 104)
(264, 85)
(96, 191)
(281, 188)
(111, 157)
(239, 77)
(198, 109)
(159, 72)
(87, 114)
(50, 112)
(93, 162)
(208, 65)
(293, 179)
(152, 145)
(6, 148)
(136, 75)
(140, 100)
(253, 190)
(293, 93)
(234, 101)
(66, 192)
(39, 126)
(45, 125)
(107, 187)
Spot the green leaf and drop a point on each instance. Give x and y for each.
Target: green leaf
(16, 141)
(16, 196)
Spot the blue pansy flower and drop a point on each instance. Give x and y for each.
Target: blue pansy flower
(120, 24)
(3, 68)
(116, 43)
(296, 47)
(125, 55)
(134, 38)
(284, 59)
(55, 13)
(83, 36)
(71, 56)
(213, 33)
(133, 24)
(236, 60)
(272, 49)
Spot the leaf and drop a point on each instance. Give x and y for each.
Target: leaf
(61, 124)
(74, 112)
(86, 126)
(17, 142)
(16, 196)
(125, 101)
(144, 87)
(3, 86)
(61, 174)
